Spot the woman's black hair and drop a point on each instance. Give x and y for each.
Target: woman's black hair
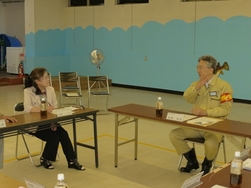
(36, 74)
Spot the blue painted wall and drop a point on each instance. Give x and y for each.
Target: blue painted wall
(172, 51)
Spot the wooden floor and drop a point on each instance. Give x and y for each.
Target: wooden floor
(9, 79)
(13, 79)
(155, 167)
(7, 181)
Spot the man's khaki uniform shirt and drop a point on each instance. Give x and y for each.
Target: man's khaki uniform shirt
(216, 99)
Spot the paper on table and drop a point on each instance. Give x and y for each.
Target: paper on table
(247, 164)
(178, 116)
(70, 108)
(187, 117)
(2, 123)
(54, 111)
(204, 121)
(218, 186)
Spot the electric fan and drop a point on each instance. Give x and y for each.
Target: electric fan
(97, 57)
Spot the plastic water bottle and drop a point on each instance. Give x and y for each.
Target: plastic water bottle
(43, 108)
(159, 107)
(60, 183)
(236, 171)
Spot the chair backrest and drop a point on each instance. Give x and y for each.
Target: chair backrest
(69, 80)
(98, 78)
(19, 107)
(68, 76)
(49, 75)
(98, 85)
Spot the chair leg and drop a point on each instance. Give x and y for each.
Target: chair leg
(79, 101)
(89, 100)
(180, 160)
(214, 160)
(27, 149)
(107, 100)
(61, 100)
(224, 153)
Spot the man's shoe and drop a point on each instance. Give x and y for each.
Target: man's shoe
(192, 162)
(206, 166)
(75, 164)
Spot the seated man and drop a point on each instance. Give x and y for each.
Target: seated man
(6, 119)
(211, 96)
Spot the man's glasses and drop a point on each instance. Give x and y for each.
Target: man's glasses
(200, 67)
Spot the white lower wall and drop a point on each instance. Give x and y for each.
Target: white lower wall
(2, 24)
(14, 21)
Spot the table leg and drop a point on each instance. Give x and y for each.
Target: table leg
(136, 139)
(118, 123)
(243, 143)
(95, 139)
(1, 152)
(239, 144)
(74, 136)
(116, 141)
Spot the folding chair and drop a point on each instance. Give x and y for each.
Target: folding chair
(98, 86)
(201, 142)
(19, 108)
(70, 87)
(49, 75)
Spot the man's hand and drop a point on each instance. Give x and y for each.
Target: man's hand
(198, 111)
(202, 81)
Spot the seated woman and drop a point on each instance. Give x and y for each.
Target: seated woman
(37, 85)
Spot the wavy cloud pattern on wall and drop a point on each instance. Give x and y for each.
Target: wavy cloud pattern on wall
(155, 55)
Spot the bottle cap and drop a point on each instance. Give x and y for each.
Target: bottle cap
(159, 98)
(237, 154)
(60, 176)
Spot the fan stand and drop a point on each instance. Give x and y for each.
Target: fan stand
(98, 69)
(98, 74)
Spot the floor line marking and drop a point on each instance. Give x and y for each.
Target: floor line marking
(121, 138)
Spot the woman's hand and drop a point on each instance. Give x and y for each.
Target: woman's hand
(8, 119)
(53, 126)
(50, 109)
